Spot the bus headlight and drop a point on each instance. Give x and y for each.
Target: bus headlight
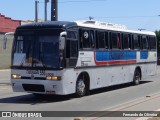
(53, 78)
(15, 76)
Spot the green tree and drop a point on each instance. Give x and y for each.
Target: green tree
(158, 42)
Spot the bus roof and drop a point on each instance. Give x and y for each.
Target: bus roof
(48, 24)
(90, 24)
(110, 26)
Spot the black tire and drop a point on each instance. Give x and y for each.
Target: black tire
(137, 77)
(81, 88)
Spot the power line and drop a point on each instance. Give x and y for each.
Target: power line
(79, 1)
(71, 1)
(116, 17)
(141, 16)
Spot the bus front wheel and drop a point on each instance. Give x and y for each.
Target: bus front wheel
(80, 88)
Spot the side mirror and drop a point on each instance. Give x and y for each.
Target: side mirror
(5, 39)
(62, 40)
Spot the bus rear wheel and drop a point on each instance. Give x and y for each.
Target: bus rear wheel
(137, 77)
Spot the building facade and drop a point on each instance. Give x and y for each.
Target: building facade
(7, 24)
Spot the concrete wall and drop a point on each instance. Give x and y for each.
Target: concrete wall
(5, 54)
(6, 25)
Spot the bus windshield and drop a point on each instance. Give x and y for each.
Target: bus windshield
(37, 48)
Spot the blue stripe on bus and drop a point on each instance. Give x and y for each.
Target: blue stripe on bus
(115, 55)
(144, 54)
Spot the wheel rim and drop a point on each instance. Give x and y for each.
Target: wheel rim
(81, 88)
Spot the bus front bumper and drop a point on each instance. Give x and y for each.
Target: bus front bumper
(37, 86)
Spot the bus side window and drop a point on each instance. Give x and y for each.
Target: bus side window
(116, 41)
(85, 40)
(145, 42)
(80, 39)
(92, 37)
(101, 39)
(140, 42)
(152, 43)
(106, 40)
(136, 42)
(119, 41)
(130, 41)
(110, 40)
(125, 41)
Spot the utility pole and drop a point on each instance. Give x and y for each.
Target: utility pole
(45, 9)
(54, 10)
(36, 11)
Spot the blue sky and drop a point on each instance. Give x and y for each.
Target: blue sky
(134, 14)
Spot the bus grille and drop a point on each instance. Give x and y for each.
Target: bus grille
(33, 87)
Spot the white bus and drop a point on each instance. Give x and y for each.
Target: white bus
(75, 57)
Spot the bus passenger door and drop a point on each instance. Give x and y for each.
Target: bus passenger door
(71, 48)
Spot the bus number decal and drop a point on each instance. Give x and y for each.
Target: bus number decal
(39, 72)
(42, 72)
(32, 71)
(49, 74)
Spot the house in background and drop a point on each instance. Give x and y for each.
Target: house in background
(7, 24)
